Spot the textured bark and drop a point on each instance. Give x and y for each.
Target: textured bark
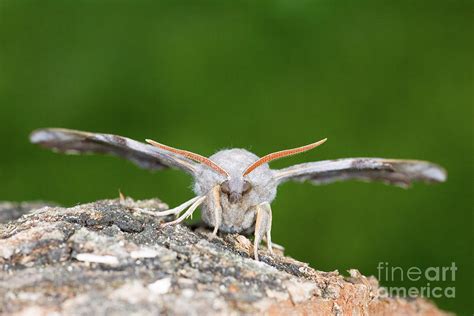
(106, 258)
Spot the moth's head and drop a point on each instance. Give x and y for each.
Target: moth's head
(235, 186)
(235, 189)
(238, 172)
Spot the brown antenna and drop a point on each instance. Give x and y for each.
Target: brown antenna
(281, 154)
(196, 157)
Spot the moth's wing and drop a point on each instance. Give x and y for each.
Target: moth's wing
(391, 171)
(79, 142)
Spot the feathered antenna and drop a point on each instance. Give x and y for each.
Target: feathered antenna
(281, 154)
(196, 157)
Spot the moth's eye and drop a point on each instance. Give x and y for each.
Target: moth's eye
(225, 187)
(247, 186)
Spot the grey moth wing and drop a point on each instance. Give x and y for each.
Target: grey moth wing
(391, 171)
(78, 142)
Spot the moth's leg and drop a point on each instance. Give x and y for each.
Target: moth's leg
(263, 225)
(216, 208)
(274, 246)
(174, 211)
(122, 196)
(189, 212)
(269, 237)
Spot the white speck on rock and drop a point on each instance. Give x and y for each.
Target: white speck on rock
(188, 293)
(161, 286)
(279, 296)
(5, 251)
(133, 293)
(354, 273)
(144, 253)
(90, 257)
(300, 291)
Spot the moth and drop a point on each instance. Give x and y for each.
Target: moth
(235, 187)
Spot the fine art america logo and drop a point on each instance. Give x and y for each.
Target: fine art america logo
(434, 281)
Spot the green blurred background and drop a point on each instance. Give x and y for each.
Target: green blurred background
(378, 78)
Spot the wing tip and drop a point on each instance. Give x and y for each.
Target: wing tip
(44, 135)
(39, 136)
(420, 170)
(436, 173)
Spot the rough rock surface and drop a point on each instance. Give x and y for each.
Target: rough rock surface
(107, 258)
